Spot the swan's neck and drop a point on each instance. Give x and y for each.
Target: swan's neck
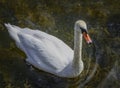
(77, 62)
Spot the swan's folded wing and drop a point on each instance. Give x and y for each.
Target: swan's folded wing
(43, 53)
(60, 46)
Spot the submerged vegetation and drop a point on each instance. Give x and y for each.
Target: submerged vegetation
(57, 17)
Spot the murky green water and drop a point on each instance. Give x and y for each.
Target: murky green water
(101, 60)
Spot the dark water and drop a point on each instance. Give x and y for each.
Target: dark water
(101, 60)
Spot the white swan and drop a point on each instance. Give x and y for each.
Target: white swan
(49, 53)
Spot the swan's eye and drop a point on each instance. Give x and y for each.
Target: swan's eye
(83, 30)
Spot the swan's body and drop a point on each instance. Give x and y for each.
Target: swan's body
(49, 53)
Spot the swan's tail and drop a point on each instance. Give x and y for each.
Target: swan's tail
(13, 31)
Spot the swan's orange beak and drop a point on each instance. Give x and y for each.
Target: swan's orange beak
(87, 38)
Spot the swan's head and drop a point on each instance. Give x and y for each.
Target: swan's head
(81, 27)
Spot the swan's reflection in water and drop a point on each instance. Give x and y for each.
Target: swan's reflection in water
(99, 78)
(46, 80)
